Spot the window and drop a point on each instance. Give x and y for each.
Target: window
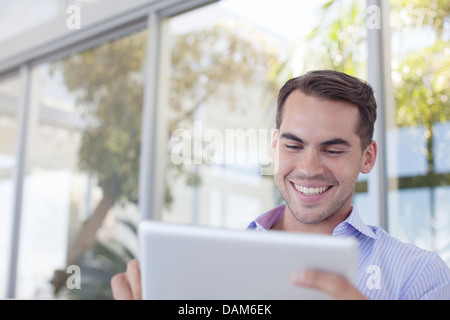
(418, 125)
(80, 190)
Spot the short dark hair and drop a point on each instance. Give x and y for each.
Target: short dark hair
(335, 86)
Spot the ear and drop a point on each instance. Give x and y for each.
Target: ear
(369, 157)
(274, 146)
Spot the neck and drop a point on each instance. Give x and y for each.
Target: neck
(289, 223)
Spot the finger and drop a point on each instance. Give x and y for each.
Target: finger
(134, 279)
(120, 287)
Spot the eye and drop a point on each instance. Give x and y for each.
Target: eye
(334, 152)
(292, 146)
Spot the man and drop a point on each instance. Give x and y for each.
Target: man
(325, 121)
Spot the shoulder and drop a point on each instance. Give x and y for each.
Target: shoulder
(400, 252)
(421, 274)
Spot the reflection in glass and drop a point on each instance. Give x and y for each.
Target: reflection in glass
(406, 149)
(410, 216)
(80, 190)
(441, 144)
(220, 88)
(419, 169)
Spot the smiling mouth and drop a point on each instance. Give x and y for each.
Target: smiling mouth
(310, 191)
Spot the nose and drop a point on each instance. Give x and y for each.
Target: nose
(310, 164)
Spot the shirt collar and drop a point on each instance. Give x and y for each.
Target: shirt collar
(353, 225)
(268, 219)
(349, 227)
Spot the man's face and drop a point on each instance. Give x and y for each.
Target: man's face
(319, 158)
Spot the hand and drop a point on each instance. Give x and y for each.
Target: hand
(127, 285)
(335, 285)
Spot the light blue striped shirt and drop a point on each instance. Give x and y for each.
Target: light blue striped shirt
(386, 267)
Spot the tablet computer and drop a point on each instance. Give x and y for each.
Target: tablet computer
(184, 262)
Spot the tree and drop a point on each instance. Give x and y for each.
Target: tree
(338, 39)
(108, 83)
(424, 75)
(418, 14)
(421, 91)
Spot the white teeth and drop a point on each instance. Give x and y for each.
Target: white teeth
(310, 191)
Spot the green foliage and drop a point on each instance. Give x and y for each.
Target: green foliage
(338, 39)
(424, 75)
(208, 65)
(108, 83)
(422, 90)
(420, 14)
(97, 269)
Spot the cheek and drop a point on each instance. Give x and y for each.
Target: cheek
(343, 169)
(281, 167)
(286, 161)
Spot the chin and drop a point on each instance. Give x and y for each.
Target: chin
(309, 217)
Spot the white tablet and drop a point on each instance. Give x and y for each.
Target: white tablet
(191, 262)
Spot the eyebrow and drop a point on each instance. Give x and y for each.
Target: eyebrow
(336, 141)
(290, 136)
(331, 142)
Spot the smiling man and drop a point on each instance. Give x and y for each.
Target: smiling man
(325, 121)
(319, 159)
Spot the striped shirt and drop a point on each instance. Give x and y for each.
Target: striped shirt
(386, 267)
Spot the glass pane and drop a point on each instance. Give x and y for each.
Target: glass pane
(409, 215)
(9, 103)
(228, 61)
(419, 125)
(410, 159)
(441, 143)
(80, 191)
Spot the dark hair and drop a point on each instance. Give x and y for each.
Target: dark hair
(337, 86)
